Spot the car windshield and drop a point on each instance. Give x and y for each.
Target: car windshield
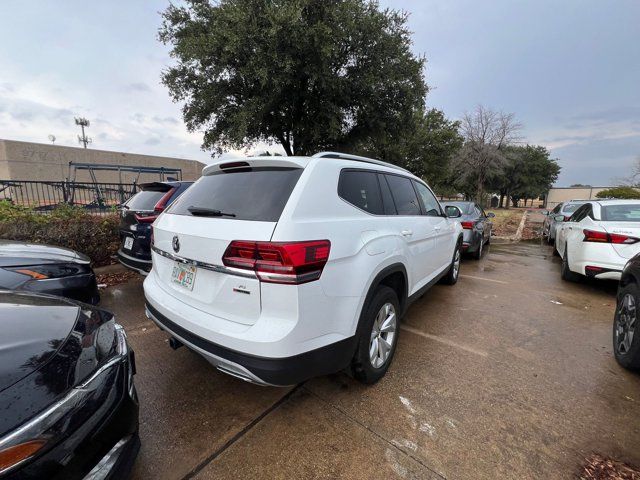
(465, 207)
(249, 194)
(621, 213)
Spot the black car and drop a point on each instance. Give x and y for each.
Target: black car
(138, 213)
(46, 269)
(626, 328)
(69, 408)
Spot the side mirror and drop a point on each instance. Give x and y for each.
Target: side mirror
(491, 215)
(545, 212)
(558, 218)
(452, 212)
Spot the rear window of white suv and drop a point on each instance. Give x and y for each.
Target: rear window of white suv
(258, 194)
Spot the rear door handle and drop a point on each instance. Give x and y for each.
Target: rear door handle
(407, 233)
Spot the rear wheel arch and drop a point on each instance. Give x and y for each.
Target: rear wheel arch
(393, 276)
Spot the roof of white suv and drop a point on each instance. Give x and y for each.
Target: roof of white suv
(295, 161)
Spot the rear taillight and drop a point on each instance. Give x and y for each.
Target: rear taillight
(467, 225)
(145, 218)
(162, 203)
(604, 237)
(279, 262)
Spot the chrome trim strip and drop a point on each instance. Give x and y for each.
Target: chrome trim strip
(206, 266)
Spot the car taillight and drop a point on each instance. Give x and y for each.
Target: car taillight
(145, 218)
(467, 225)
(279, 262)
(162, 203)
(604, 237)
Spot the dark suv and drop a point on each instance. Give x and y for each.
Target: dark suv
(138, 213)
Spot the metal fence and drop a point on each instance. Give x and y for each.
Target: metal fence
(98, 198)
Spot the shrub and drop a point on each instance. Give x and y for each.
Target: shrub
(66, 226)
(625, 193)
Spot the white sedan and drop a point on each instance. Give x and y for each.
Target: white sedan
(599, 239)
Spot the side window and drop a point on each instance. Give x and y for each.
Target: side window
(387, 199)
(404, 195)
(478, 211)
(361, 189)
(580, 213)
(429, 202)
(557, 208)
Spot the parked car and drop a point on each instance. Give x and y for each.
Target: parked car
(476, 225)
(278, 269)
(626, 328)
(599, 239)
(69, 404)
(138, 213)
(550, 224)
(43, 268)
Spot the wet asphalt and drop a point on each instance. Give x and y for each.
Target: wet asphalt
(508, 374)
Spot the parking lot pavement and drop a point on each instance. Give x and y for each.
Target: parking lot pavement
(509, 374)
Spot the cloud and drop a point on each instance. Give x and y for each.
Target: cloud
(139, 87)
(152, 141)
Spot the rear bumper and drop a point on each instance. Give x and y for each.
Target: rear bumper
(262, 370)
(141, 266)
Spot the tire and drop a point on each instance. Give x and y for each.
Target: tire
(556, 253)
(566, 272)
(477, 255)
(451, 278)
(489, 239)
(625, 349)
(362, 365)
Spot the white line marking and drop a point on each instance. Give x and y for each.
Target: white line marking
(483, 278)
(444, 341)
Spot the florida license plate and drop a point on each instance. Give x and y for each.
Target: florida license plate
(128, 243)
(184, 275)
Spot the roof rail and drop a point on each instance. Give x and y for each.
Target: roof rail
(357, 158)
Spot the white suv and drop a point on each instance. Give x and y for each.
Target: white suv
(278, 269)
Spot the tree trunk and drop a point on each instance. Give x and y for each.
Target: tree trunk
(286, 144)
(508, 199)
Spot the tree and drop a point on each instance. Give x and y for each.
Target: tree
(487, 133)
(527, 172)
(309, 74)
(626, 193)
(425, 148)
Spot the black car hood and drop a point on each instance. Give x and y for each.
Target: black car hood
(47, 346)
(15, 254)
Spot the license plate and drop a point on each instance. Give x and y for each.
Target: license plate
(183, 275)
(128, 243)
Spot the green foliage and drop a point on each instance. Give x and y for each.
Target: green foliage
(310, 74)
(66, 226)
(528, 173)
(626, 193)
(425, 148)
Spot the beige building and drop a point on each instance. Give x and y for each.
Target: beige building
(557, 195)
(43, 162)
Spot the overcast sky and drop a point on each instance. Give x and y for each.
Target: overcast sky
(569, 70)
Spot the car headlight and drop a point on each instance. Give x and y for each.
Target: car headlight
(42, 431)
(57, 270)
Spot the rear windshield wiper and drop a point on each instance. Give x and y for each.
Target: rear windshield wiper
(208, 212)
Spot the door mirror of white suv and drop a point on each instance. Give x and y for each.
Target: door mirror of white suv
(452, 212)
(558, 218)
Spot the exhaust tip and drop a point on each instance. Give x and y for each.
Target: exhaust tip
(175, 343)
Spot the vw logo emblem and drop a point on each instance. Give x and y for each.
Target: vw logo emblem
(176, 244)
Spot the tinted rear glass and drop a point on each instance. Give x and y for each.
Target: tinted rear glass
(258, 194)
(621, 213)
(404, 195)
(144, 200)
(362, 190)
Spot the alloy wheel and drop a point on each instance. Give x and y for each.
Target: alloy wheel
(382, 335)
(625, 324)
(456, 263)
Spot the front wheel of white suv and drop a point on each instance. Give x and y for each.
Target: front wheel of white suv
(379, 337)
